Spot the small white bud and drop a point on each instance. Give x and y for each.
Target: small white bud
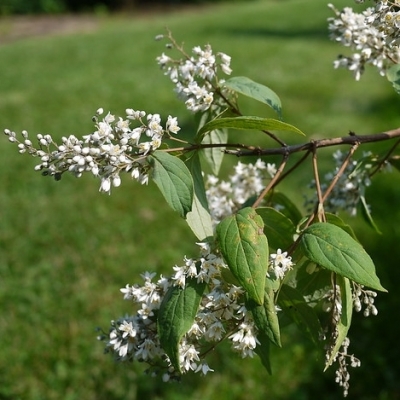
(116, 181)
(105, 185)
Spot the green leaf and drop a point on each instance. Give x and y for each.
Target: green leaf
(367, 215)
(263, 351)
(215, 155)
(278, 228)
(304, 316)
(335, 220)
(199, 219)
(176, 315)
(344, 322)
(245, 249)
(393, 76)
(266, 318)
(174, 181)
(256, 91)
(248, 123)
(285, 205)
(334, 249)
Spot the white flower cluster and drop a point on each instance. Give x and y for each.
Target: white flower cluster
(364, 297)
(374, 35)
(350, 187)
(333, 304)
(342, 373)
(113, 148)
(280, 263)
(222, 314)
(226, 197)
(195, 77)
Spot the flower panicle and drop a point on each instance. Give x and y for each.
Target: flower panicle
(222, 315)
(196, 77)
(373, 35)
(114, 147)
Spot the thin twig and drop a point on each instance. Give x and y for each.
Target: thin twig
(320, 205)
(384, 159)
(293, 168)
(272, 182)
(340, 172)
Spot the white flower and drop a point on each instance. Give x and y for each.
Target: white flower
(105, 185)
(224, 198)
(280, 263)
(172, 125)
(127, 329)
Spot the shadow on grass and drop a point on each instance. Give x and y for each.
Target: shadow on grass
(316, 33)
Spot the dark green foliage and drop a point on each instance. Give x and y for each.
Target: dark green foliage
(8, 7)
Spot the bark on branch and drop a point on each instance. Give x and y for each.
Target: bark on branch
(351, 140)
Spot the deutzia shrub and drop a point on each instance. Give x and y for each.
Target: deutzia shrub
(262, 260)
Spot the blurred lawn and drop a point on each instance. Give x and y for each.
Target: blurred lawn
(65, 249)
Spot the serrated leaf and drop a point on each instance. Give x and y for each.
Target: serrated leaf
(365, 212)
(344, 322)
(215, 155)
(174, 181)
(256, 91)
(277, 228)
(295, 307)
(245, 249)
(199, 219)
(393, 76)
(335, 220)
(266, 318)
(334, 249)
(249, 123)
(176, 315)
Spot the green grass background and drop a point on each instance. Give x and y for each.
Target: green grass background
(65, 249)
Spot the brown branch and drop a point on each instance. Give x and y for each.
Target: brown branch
(340, 172)
(350, 140)
(384, 159)
(346, 140)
